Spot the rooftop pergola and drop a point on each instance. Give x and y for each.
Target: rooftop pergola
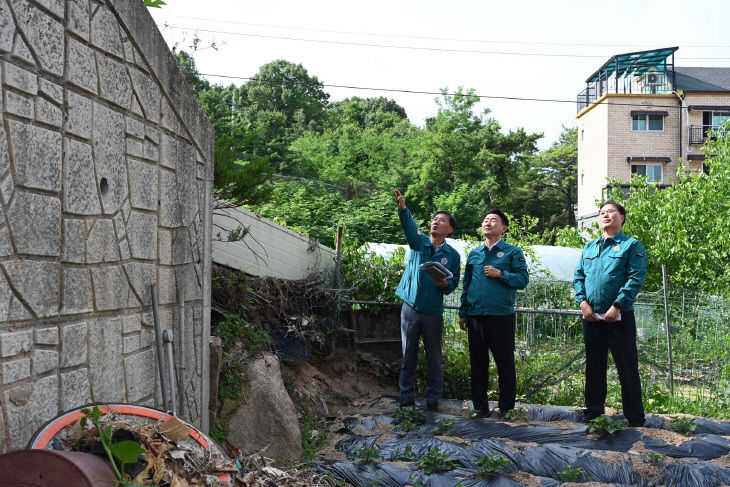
(624, 73)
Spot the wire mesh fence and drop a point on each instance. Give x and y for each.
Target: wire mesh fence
(550, 355)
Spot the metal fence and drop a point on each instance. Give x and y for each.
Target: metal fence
(549, 327)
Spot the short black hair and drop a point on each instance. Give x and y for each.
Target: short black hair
(498, 212)
(452, 220)
(619, 207)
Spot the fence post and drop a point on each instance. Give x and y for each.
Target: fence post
(669, 329)
(338, 259)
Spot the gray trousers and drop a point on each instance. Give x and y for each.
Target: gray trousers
(413, 326)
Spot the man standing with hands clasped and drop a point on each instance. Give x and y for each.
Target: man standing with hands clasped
(422, 314)
(609, 275)
(494, 271)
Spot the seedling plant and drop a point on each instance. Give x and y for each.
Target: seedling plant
(124, 451)
(489, 465)
(366, 454)
(444, 426)
(433, 461)
(683, 426)
(517, 415)
(571, 474)
(605, 425)
(409, 417)
(406, 454)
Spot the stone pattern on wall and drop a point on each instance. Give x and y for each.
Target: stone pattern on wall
(104, 190)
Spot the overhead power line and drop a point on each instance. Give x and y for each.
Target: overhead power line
(414, 48)
(439, 93)
(431, 38)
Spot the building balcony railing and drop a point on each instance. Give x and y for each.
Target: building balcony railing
(698, 134)
(636, 85)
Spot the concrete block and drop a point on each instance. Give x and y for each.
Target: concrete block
(73, 344)
(77, 292)
(78, 110)
(105, 32)
(141, 276)
(143, 185)
(37, 283)
(137, 370)
(80, 192)
(77, 19)
(74, 238)
(43, 360)
(111, 289)
(142, 234)
(81, 66)
(114, 82)
(20, 79)
(101, 242)
(36, 223)
(169, 204)
(108, 141)
(44, 35)
(148, 94)
(131, 344)
(47, 336)
(15, 342)
(16, 370)
(105, 360)
(75, 389)
(37, 156)
(27, 407)
(48, 113)
(132, 323)
(20, 105)
(7, 27)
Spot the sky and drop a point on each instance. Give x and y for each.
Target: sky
(533, 49)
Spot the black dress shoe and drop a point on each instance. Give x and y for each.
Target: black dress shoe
(636, 423)
(483, 413)
(432, 407)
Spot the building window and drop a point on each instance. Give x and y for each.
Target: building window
(719, 118)
(641, 121)
(652, 172)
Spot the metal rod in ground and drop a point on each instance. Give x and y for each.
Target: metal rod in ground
(171, 368)
(158, 339)
(338, 268)
(669, 329)
(181, 358)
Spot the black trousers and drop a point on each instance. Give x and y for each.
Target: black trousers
(619, 337)
(495, 334)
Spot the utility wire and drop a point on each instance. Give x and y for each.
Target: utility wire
(389, 46)
(439, 93)
(431, 38)
(413, 48)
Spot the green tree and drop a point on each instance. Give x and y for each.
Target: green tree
(686, 225)
(281, 103)
(190, 70)
(549, 190)
(466, 163)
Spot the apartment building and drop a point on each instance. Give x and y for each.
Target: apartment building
(641, 114)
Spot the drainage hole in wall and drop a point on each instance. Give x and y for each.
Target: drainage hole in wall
(103, 186)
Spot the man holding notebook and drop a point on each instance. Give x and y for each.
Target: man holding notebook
(422, 289)
(493, 273)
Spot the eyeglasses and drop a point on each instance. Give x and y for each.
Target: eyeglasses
(607, 212)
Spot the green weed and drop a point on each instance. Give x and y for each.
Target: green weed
(363, 455)
(409, 417)
(444, 426)
(521, 415)
(572, 474)
(683, 425)
(489, 464)
(433, 461)
(605, 425)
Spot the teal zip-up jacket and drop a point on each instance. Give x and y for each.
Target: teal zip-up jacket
(482, 295)
(417, 288)
(610, 271)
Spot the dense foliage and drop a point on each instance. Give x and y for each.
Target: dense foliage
(286, 151)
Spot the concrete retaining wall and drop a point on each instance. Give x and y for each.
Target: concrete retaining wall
(105, 188)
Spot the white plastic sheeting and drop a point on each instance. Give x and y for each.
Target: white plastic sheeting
(554, 263)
